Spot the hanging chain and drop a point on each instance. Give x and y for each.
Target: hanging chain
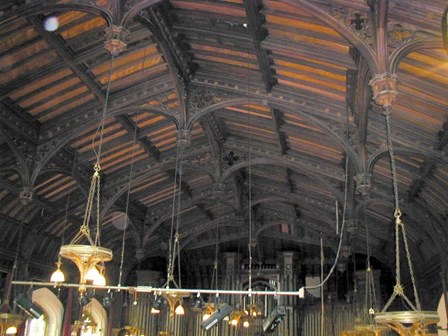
(411, 270)
(370, 298)
(392, 158)
(174, 243)
(398, 288)
(84, 231)
(103, 117)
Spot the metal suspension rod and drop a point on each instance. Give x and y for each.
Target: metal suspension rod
(156, 290)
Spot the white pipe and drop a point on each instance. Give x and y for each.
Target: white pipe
(155, 290)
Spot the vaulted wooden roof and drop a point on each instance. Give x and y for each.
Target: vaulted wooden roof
(273, 97)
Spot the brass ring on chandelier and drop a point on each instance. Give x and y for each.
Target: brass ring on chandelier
(407, 317)
(85, 252)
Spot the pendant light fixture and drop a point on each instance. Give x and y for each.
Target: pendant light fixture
(90, 257)
(175, 298)
(413, 321)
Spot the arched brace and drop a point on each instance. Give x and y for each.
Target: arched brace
(24, 170)
(168, 216)
(415, 214)
(436, 156)
(226, 103)
(12, 169)
(400, 53)
(69, 136)
(295, 167)
(366, 51)
(271, 103)
(159, 168)
(33, 10)
(330, 242)
(209, 228)
(179, 81)
(129, 16)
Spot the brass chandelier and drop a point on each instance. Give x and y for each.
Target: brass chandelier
(89, 258)
(411, 322)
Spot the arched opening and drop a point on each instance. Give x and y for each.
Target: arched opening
(97, 316)
(51, 321)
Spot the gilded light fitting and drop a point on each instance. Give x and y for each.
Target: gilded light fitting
(89, 258)
(9, 323)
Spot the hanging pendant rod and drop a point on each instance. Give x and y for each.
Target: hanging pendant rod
(155, 290)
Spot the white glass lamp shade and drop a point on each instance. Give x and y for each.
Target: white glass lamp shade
(92, 274)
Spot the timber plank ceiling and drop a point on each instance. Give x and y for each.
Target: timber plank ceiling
(273, 97)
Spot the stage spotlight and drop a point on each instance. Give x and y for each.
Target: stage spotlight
(84, 300)
(107, 300)
(216, 317)
(276, 316)
(157, 305)
(28, 307)
(197, 304)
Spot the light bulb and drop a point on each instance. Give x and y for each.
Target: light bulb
(180, 310)
(92, 274)
(100, 280)
(206, 316)
(11, 331)
(155, 311)
(234, 322)
(57, 276)
(246, 324)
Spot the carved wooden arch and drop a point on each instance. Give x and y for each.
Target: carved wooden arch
(173, 70)
(78, 7)
(209, 228)
(437, 156)
(365, 50)
(14, 169)
(74, 132)
(23, 169)
(129, 16)
(296, 167)
(293, 199)
(400, 53)
(429, 238)
(167, 216)
(266, 226)
(157, 168)
(271, 102)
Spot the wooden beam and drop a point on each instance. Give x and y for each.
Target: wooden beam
(142, 139)
(256, 19)
(428, 166)
(57, 43)
(277, 122)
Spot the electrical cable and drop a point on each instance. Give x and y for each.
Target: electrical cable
(125, 224)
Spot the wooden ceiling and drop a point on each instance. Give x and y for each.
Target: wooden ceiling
(273, 96)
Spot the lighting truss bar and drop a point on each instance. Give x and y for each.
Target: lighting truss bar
(155, 290)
